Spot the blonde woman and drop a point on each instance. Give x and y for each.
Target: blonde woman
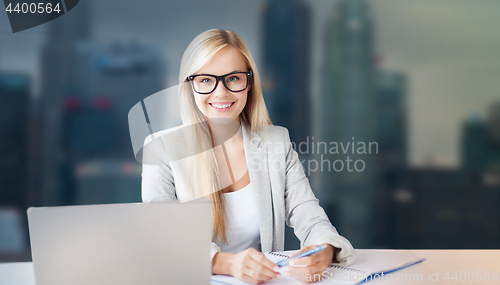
(254, 178)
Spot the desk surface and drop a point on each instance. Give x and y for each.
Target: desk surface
(469, 266)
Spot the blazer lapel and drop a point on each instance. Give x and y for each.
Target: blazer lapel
(259, 178)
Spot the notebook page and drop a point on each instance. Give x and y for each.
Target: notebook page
(334, 273)
(229, 280)
(375, 261)
(367, 262)
(274, 257)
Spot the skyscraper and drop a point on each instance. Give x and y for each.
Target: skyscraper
(87, 90)
(431, 208)
(391, 112)
(474, 143)
(348, 115)
(14, 164)
(57, 78)
(392, 137)
(113, 78)
(286, 43)
(481, 141)
(494, 131)
(116, 76)
(14, 108)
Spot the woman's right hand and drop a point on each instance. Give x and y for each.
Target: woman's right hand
(250, 266)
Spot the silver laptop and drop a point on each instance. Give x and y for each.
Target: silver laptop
(122, 244)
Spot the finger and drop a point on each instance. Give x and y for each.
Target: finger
(262, 259)
(259, 271)
(305, 271)
(306, 260)
(304, 249)
(250, 279)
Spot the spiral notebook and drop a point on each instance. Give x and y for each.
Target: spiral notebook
(369, 265)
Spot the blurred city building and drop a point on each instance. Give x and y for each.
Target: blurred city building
(481, 141)
(87, 90)
(115, 77)
(286, 44)
(58, 75)
(392, 137)
(112, 79)
(392, 122)
(444, 208)
(14, 114)
(107, 181)
(14, 165)
(348, 114)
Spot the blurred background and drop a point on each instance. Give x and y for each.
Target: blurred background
(417, 79)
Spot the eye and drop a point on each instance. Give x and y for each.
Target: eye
(233, 78)
(206, 80)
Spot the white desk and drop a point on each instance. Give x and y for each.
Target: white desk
(438, 261)
(442, 261)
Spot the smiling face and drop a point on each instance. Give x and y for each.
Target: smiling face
(222, 103)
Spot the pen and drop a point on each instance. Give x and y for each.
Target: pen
(284, 262)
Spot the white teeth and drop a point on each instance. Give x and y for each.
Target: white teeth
(221, 106)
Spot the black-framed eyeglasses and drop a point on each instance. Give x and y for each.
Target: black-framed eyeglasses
(207, 83)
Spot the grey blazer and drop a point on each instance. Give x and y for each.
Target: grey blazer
(283, 193)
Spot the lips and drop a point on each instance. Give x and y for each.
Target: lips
(221, 106)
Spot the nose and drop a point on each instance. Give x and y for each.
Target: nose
(221, 90)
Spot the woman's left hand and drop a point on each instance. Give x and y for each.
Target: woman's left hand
(310, 266)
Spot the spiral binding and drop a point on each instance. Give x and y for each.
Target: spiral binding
(279, 254)
(344, 268)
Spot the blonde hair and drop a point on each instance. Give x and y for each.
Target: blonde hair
(203, 175)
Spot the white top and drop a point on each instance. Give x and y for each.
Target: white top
(243, 221)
